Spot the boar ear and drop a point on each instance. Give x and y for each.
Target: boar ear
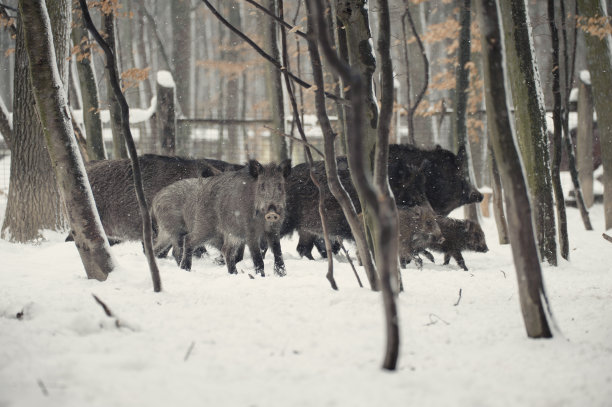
(285, 166)
(255, 168)
(468, 225)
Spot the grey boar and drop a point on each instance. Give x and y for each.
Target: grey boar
(113, 187)
(226, 211)
(459, 235)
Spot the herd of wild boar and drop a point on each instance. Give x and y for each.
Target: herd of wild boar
(196, 203)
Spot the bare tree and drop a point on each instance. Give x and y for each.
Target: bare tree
(180, 11)
(52, 106)
(530, 121)
(524, 249)
(125, 123)
(89, 89)
(34, 202)
(108, 22)
(600, 65)
(557, 145)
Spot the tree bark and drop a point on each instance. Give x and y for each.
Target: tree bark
(34, 202)
(51, 104)
(6, 129)
(498, 199)
(557, 142)
(584, 142)
(89, 90)
(278, 144)
(600, 65)
(530, 121)
(119, 149)
(180, 11)
(233, 81)
(166, 113)
(524, 250)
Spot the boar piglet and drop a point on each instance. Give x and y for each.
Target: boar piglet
(226, 211)
(459, 235)
(418, 229)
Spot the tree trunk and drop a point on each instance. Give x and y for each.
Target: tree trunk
(524, 250)
(6, 129)
(51, 104)
(498, 199)
(600, 65)
(530, 122)
(34, 202)
(166, 112)
(354, 16)
(584, 142)
(460, 111)
(119, 148)
(557, 142)
(278, 144)
(231, 95)
(89, 90)
(180, 11)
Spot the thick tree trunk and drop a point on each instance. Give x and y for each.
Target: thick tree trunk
(530, 121)
(524, 250)
(599, 62)
(119, 148)
(51, 104)
(89, 90)
(34, 201)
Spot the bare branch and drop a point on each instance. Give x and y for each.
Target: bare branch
(299, 140)
(608, 238)
(282, 22)
(348, 257)
(263, 53)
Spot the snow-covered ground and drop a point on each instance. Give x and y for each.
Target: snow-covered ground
(213, 339)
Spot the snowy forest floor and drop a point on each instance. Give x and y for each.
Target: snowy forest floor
(213, 339)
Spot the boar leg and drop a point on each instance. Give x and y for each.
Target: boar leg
(459, 259)
(256, 256)
(274, 244)
(428, 255)
(230, 253)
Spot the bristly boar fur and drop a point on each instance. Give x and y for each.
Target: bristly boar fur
(227, 211)
(459, 235)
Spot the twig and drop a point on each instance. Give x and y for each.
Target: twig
(299, 140)
(291, 28)
(110, 314)
(189, 351)
(608, 238)
(265, 55)
(433, 322)
(348, 257)
(458, 299)
(503, 272)
(107, 310)
(43, 388)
